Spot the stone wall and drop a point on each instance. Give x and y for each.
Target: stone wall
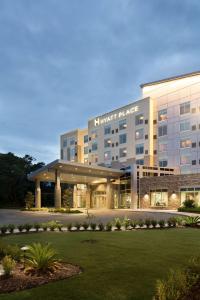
(171, 183)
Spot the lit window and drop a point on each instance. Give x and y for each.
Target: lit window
(185, 125)
(185, 143)
(107, 129)
(122, 152)
(159, 198)
(139, 149)
(162, 130)
(139, 119)
(107, 155)
(162, 115)
(122, 124)
(122, 138)
(94, 134)
(184, 108)
(107, 143)
(139, 134)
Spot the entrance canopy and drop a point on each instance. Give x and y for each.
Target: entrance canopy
(74, 173)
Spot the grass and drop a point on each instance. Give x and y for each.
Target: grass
(119, 266)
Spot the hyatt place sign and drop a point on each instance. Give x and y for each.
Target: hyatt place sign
(121, 114)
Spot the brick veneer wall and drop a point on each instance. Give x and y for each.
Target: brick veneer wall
(171, 183)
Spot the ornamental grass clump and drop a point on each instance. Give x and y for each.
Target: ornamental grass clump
(140, 223)
(4, 229)
(44, 226)
(69, 226)
(36, 226)
(126, 223)
(8, 265)
(101, 227)
(20, 227)
(109, 226)
(27, 227)
(11, 228)
(117, 223)
(41, 258)
(78, 226)
(85, 225)
(172, 222)
(192, 221)
(161, 223)
(147, 222)
(154, 223)
(133, 223)
(93, 226)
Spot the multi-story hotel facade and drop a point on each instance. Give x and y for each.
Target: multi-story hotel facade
(155, 136)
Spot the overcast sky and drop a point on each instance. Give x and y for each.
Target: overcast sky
(64, 61)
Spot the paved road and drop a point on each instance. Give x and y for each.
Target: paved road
(12, 216)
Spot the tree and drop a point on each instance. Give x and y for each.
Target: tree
(13, 178)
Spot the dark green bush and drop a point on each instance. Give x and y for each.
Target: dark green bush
(189, 203)
(101, 227)
(109, 226)
(69, 226)
(4, 229)
(78, 225)
(141, 223)
(20, 227)
(161, 223)
(27, 227)
(147, 222)
(154, 223)
(93, 226)
(85, 225)
(36, 226)
(11, 228)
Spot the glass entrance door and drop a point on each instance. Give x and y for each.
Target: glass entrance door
(99, 199)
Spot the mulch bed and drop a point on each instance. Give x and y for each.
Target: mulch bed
(21, 281)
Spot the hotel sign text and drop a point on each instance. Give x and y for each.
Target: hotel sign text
(123, 113)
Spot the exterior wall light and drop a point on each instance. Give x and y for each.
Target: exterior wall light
(24, 249)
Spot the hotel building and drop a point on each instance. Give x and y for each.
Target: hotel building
(153, 143)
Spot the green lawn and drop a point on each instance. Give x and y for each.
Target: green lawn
(121, 265)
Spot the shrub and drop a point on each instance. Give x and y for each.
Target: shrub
(78, 226)
(69, 226)
(189, 203)
(59, 226)
(191, 221)
(20, 227)
(4, 229)
(141, 223)
(36, 226)
(44, 226)
(27, 227)
(52, 225)
(161, 223)
(41, 258)
(11, 250)
(117, 223)
(154, 223)
(109, 226)
(11, 228)
(93, 226)
(85, 225)
(29, 200)
(8, 265)
(133, 223)
(172, 221)
(180, 220)
(147, 222)
(192, 210)
(101, 227)
(126, 222)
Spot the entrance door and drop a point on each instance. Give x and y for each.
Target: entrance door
(99, 199)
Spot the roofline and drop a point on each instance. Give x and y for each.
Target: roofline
(170, 79)
(32, 175)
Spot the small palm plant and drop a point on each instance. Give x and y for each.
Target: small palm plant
(191, 221)
(41, 258)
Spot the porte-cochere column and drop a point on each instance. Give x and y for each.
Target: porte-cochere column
(57, 191)
(37, 194)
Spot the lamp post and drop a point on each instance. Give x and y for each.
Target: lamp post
(24, 249)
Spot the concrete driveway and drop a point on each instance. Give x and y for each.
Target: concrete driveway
(12, 216)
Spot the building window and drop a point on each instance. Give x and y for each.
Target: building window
(163, 163)
(159, 198)
(185, 125)
(194, 145)
(122, 152)
(185, 160)
(72, 141)
(85, 139)
(190, 193)
(162, 115)
(139, 149)
(194, 127)
(185, 143)
(94, 134)
(122, 124)
(162, 146)
(139, 161)
(107, 143)
(139, 119)
(85, 150)
(107, 129)
(107, 156)
(122, 138)
(184, 108)
(139, 134)
(94, 146)
(162, 130)
(194, 162)
(64, 142)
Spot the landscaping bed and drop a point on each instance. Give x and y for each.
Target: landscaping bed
(21, 280)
